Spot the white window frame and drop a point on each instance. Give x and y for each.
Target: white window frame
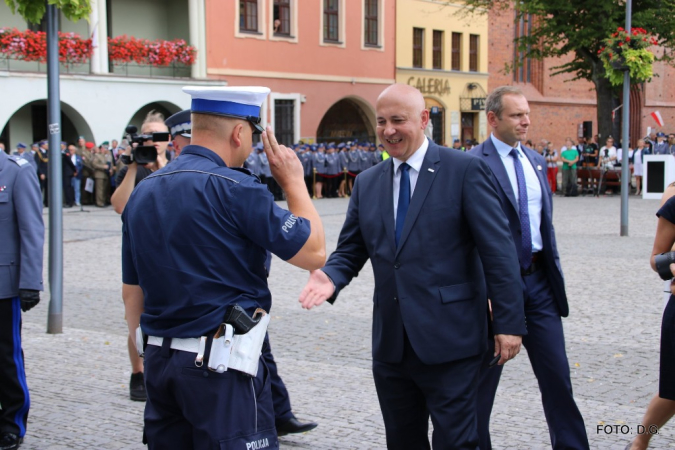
(342, 19)
(262, 23)
(297, 98)
(293, 37)
(380, 28)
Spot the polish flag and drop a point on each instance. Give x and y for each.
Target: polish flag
(657, 117)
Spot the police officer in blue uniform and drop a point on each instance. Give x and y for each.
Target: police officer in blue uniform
(22, 231)
(205, 224)
(180, 127)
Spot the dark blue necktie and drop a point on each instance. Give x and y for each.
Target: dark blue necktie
(403, 200)
(525, 253)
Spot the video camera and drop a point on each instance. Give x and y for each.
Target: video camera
(142, 154)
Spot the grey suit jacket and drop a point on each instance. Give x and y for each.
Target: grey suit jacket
(22, 230)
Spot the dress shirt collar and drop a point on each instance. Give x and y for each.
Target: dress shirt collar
(504, 149)
(416, 159)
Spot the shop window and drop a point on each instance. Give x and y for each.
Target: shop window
(284, 121)
(418, 47)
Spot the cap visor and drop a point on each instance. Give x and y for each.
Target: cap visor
(257, 128)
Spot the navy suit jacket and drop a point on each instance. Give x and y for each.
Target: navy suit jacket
(433, 286)
(488, 153)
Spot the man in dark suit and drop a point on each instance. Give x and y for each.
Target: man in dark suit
(69, 171)
(526, 199)
(430, 221)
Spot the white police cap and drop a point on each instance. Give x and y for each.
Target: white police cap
(241, 102)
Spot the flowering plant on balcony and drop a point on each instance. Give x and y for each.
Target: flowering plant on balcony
(628, 51)
(125, 49)
(32, 46)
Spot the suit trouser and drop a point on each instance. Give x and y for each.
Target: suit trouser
(44, 186)
(410, 391)
(68, 192)
(545, 344)
(280, 397)
(14, 396)
(190, 407)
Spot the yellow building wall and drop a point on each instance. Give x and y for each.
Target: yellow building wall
(444, 86)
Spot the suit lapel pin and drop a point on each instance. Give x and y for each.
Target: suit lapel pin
(430, 170)
(538, 167)
(2, 188)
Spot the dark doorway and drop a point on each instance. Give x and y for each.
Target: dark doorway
(437, 117)
(468, 126)
(345, 121)
(41, 129)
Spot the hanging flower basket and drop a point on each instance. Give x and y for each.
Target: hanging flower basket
(630, 52)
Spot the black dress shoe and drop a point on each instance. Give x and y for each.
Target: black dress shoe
(10, 441)
(295, 426)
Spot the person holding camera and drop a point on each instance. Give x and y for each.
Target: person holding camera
(662, 406)
(127, 179)
(132, 174)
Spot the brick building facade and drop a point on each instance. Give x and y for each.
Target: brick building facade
(558, 106)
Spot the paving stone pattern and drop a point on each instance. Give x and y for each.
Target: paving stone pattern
(79, 379)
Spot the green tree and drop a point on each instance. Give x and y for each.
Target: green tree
(34, 10)
(576, 28)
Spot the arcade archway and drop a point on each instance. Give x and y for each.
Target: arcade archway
(28, 124)
(347, 120)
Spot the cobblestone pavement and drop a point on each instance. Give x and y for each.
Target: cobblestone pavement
(79, 379)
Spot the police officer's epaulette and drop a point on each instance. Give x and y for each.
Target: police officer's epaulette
(246, 171)
(18, 161)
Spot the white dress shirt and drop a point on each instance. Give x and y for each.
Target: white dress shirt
(533, 188)
(415, 162)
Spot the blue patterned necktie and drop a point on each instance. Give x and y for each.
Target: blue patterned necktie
(403, 200)
(525, 253)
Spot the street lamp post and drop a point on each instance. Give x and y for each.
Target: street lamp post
(55, 318)
(625, 170)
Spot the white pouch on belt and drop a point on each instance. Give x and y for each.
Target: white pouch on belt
(247, 348)
(221, 346)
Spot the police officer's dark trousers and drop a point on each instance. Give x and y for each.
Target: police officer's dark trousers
(189, 407)
(14, 396)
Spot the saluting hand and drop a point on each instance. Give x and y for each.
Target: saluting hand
(285, 165)
(318, 289)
